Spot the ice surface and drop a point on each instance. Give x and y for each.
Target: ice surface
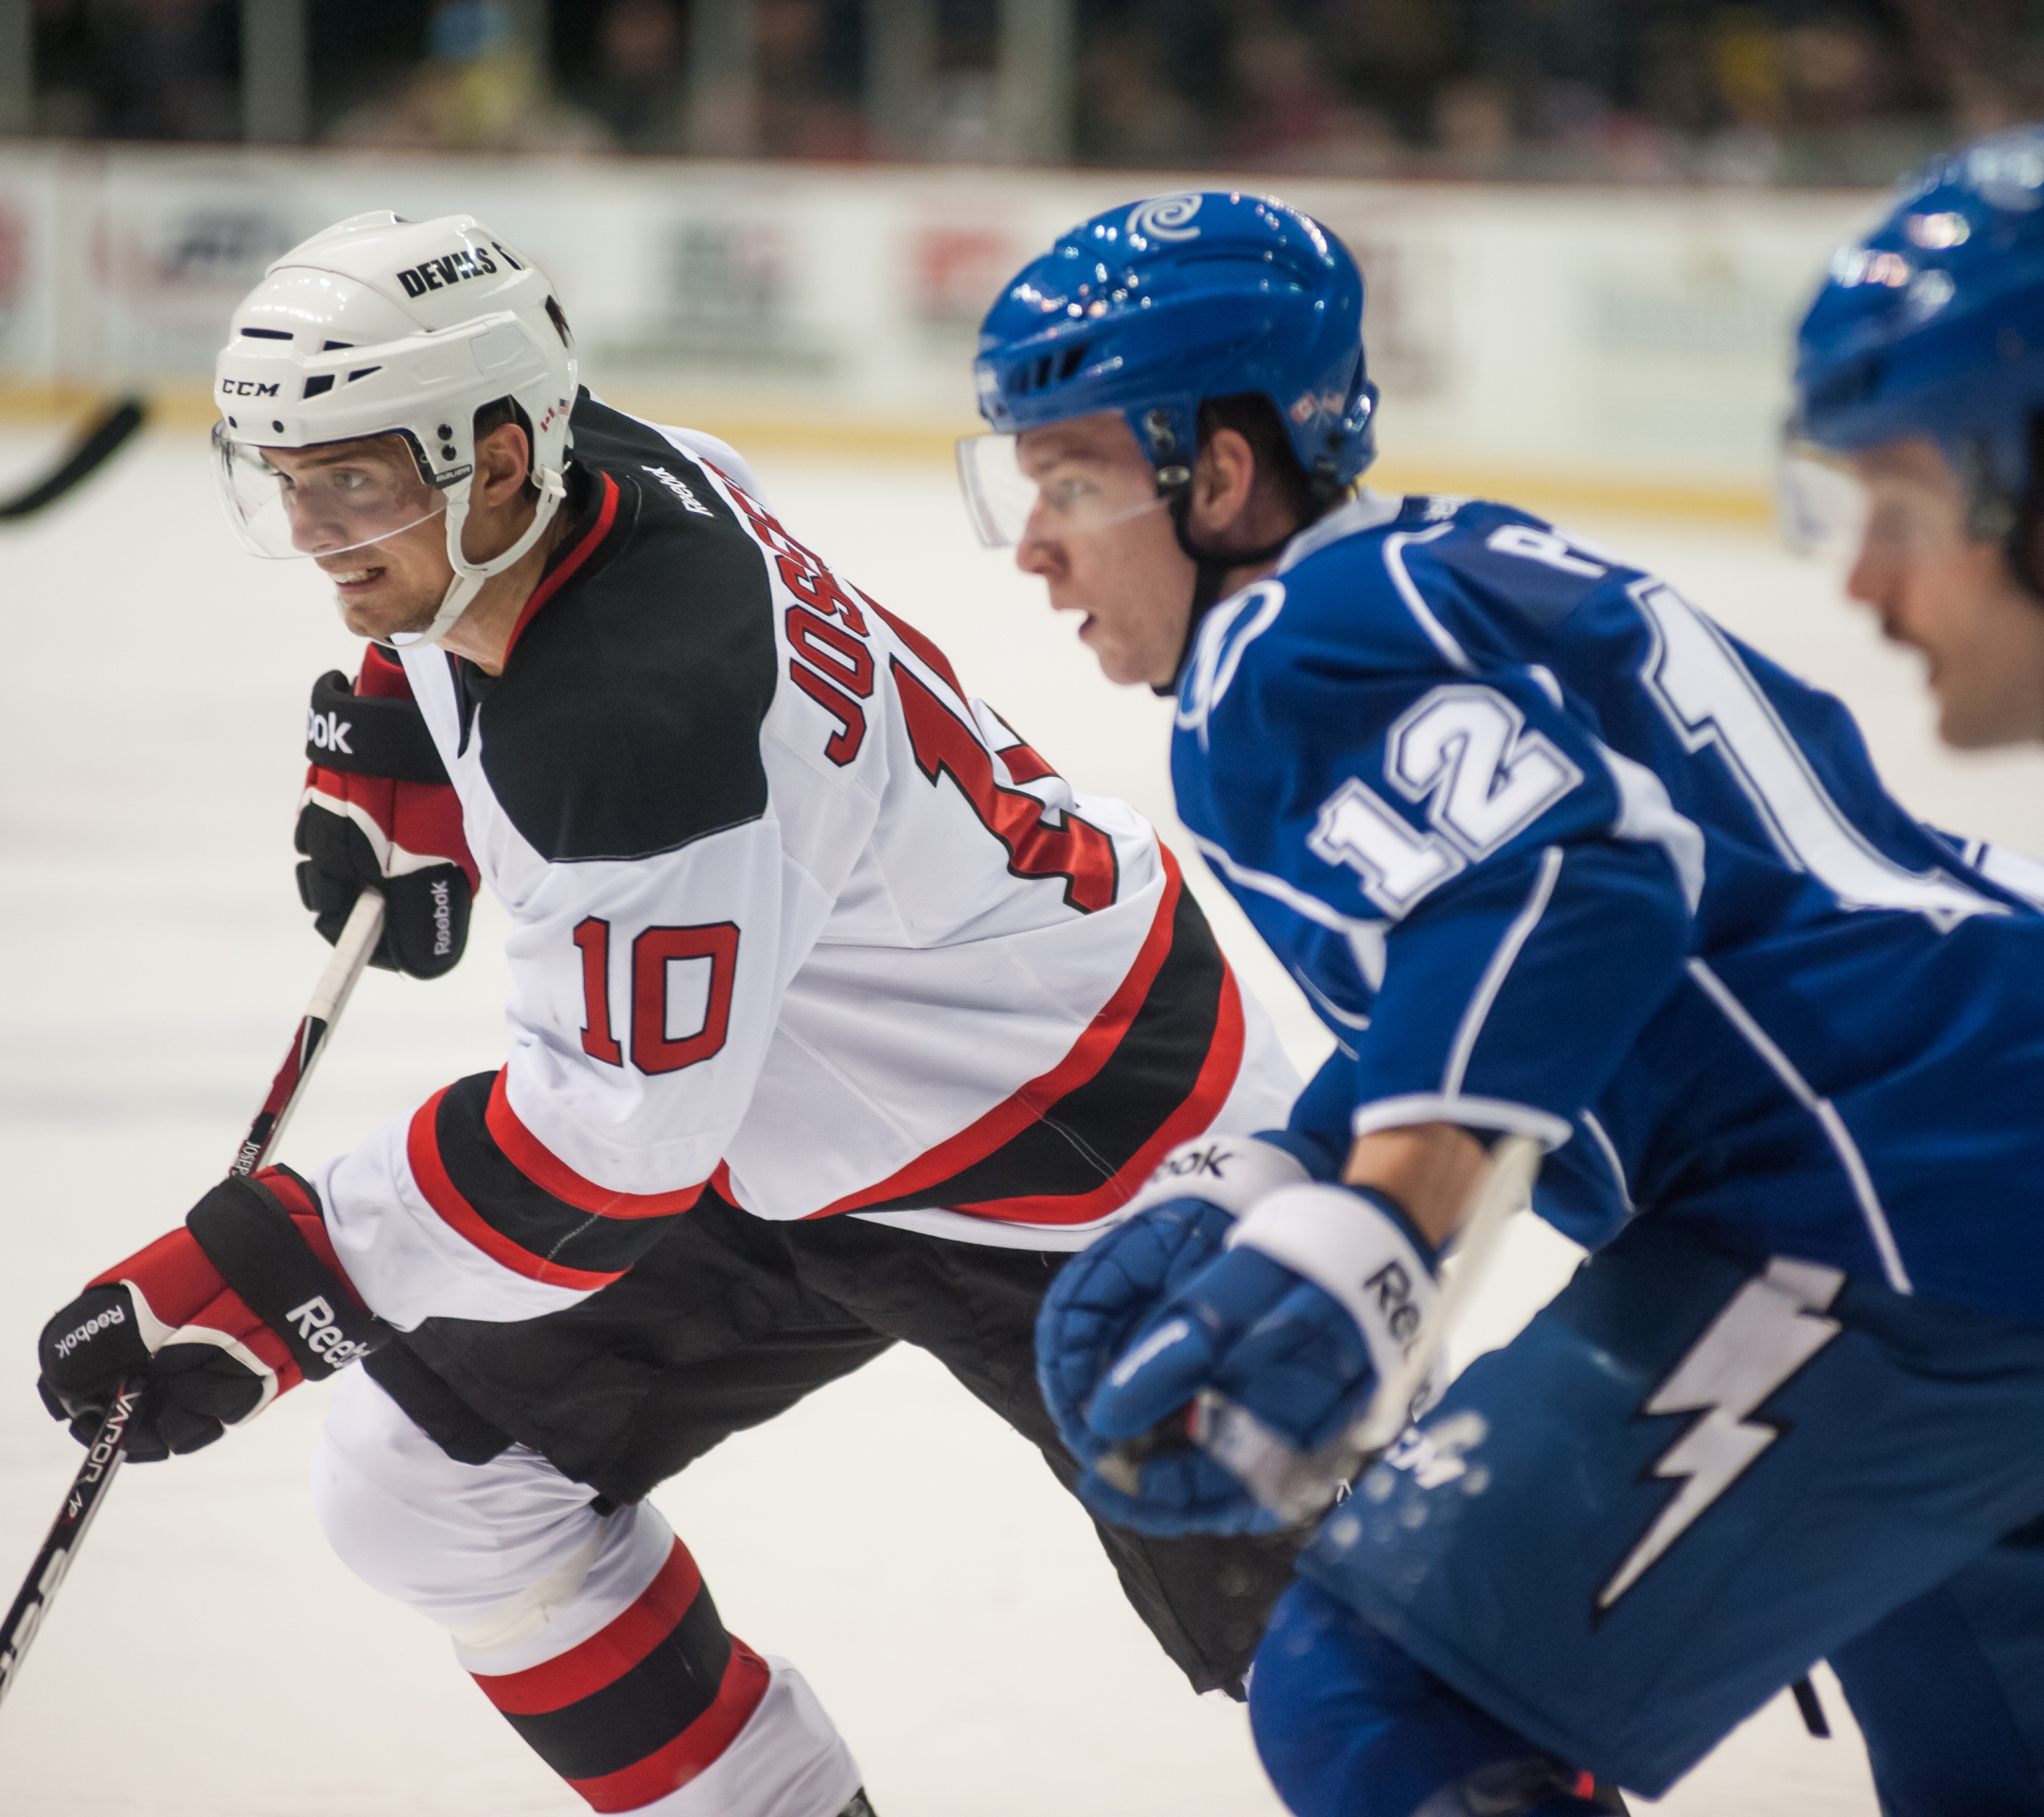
(940, 1592)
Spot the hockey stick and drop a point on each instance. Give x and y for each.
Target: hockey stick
(351, 953)
(107, 1452)
(88, 454)
(1298, 1485)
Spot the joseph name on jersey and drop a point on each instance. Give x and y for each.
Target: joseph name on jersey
(1553, 852)
(790, 913)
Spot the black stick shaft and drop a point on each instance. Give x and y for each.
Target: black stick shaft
(108, 1451)
(91, 451)
(67, 1532)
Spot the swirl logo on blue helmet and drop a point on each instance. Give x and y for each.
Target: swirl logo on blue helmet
(1166, 217)
(1152, 307)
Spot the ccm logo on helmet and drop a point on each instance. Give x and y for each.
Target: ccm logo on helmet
(444, 274)
(322, 1337)
(247, 388)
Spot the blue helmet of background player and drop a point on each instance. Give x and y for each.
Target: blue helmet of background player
(1932, 326)
(1151, 310)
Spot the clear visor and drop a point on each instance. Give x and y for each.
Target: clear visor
(1060, 496)
(322, 500)
(1820, 501)
(1892, 505)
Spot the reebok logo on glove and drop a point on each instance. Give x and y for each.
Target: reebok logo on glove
(91, 1329)
(1230, 1171)
(443, 918)
(1393, 1289)
(328, 731)
(1182, 1165)
(315, 1323)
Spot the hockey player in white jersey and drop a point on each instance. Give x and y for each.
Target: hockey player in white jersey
(1556, 860)
(837, 1018)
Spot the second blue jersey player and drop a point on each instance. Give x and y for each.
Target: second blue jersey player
(1553, 856)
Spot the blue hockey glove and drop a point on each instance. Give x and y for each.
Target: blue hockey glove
(1107, 1293)
(1317, 1292)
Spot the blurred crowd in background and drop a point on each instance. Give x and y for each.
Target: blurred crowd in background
(1769, 91)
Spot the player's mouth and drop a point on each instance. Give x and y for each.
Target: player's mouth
(353, 581)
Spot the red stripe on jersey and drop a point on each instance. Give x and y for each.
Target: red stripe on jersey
(932, 657)
(1196, 1112)
(564, 571)
(1024, 765)
(546, 1169)
(697, 1747)
(422, 1149)
(607, 1655)
(1086, 1057)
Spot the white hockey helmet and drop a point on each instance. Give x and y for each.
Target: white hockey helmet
(385, 327)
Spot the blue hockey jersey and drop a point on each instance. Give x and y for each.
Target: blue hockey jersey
(1550, 852)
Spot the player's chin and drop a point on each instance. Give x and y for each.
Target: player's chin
(1978, 709)
(1119, 662)
(376, 609)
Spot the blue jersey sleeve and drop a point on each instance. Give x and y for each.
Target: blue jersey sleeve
(1491, 901)
(1510, 997)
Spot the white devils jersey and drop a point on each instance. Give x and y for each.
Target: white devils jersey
(794, 918)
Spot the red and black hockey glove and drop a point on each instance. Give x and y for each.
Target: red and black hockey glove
(241, 1303)
(378, 809)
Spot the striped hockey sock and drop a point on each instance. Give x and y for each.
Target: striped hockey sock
(646, 1703)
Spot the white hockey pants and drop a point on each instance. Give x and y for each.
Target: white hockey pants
(592, 1633)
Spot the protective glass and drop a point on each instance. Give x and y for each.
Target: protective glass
(337, 495)
(1849, 513)
(1066, 497)
(1821, 502)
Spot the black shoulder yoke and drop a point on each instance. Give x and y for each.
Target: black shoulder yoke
(626, 721)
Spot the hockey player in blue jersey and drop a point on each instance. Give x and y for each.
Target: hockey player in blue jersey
(1554, 856)
(1913, 441)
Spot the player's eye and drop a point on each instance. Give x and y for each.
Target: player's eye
(1068, 494)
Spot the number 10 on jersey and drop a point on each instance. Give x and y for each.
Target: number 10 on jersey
(678, 974)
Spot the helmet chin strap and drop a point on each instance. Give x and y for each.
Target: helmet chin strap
(1211, 569)
(468, 575)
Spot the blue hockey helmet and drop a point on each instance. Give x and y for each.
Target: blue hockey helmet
(1151, 308)
(1932, 326)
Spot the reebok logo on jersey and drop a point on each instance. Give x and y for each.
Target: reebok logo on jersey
(329, 732)
(91, 1329)
(679, 488)
(322, 1334)
(445, 273)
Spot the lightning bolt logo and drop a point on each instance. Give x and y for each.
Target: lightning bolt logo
(1767, 1331)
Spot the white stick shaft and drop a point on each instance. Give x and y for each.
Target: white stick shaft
(351, 953)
